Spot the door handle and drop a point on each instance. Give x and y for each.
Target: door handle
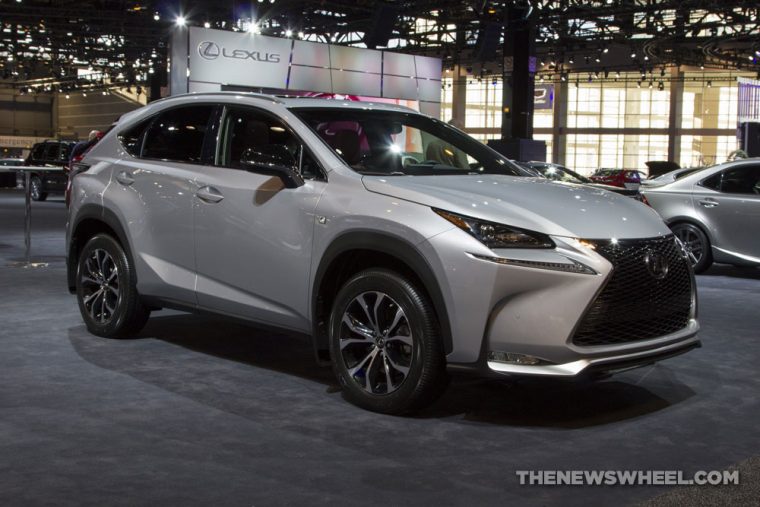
(209, 194)
(709, 202)
(125, 178)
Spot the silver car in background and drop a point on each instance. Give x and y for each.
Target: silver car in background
(715, 212)
(403, 247)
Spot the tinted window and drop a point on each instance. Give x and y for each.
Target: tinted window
(132, 138)
(247, 131)
(713, 182)
(744, 179)
(52, 152)
(38, 151)
(178, 134)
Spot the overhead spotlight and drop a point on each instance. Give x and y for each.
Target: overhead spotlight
(84, 94)
(301, 35)
(206, 25)
(606, 50)
(646, 58)
(651, 84)
(633, 55)
(67, 96)
(254, 27)
(571, 60)
(638, 84)
(709, 84)
(105, 92)
(180, 21)
(288, 33)
(156, 17)
(661, 86)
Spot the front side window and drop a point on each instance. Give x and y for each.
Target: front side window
(178, 134)
(246, 132)
(395, 143)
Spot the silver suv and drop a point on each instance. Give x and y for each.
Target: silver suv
(403, 247)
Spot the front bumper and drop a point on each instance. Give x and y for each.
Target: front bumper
(513, 308)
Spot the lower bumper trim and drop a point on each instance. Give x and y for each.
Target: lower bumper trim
(601, 364)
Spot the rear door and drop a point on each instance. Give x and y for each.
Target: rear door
(728, 203)
(154, 191)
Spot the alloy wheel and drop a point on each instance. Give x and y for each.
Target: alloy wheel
(100, 284)
(692, 244)
(376, 342)
(35, 190)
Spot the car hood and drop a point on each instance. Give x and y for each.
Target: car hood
(538, 204)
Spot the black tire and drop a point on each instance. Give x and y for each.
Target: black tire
(104, 267)
(696, 243)
(36, 189)
(410, 342)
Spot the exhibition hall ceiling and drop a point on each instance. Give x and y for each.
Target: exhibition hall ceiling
(57, 45)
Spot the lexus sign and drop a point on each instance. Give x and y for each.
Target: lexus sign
(242, 59)
(209, 50)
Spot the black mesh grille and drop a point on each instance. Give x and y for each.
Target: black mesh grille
(634, 305)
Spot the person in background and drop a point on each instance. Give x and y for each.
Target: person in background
(82, 146)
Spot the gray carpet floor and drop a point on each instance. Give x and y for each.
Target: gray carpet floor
(199, 411)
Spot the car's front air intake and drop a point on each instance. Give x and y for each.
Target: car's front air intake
(649, 293)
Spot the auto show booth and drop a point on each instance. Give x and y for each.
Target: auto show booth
(207, 60)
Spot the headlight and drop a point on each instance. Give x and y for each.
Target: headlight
(495, 235)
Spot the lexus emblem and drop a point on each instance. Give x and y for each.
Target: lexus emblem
(209, 50)
(657, 265)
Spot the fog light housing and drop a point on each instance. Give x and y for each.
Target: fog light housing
(512, 358)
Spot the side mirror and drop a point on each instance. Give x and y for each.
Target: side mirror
(274, 160)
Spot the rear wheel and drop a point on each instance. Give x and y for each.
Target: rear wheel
(385, 345)
(106, 289)
(696, 244)
(35, 184)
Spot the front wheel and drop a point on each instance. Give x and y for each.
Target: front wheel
(385, 344)
(106, 289)
(696, 244)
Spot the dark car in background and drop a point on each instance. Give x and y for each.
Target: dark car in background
(557, 172)
(623, 178)
(52, 154)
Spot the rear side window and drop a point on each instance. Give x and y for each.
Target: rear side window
(741, 180)
(178, 134)
(38, 151)
(53, 152)
(132, 138)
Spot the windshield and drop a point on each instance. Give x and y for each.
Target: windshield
(404, 144)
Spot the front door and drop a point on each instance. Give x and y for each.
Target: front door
(253, 236)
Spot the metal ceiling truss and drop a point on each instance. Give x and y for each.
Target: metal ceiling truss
(124, 41)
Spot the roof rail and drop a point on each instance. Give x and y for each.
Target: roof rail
(272, 98)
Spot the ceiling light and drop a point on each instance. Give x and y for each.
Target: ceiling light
(288, 32)
(180, 21)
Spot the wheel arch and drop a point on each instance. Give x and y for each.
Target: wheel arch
(684, 219)
(355, 251)
(92, 219)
